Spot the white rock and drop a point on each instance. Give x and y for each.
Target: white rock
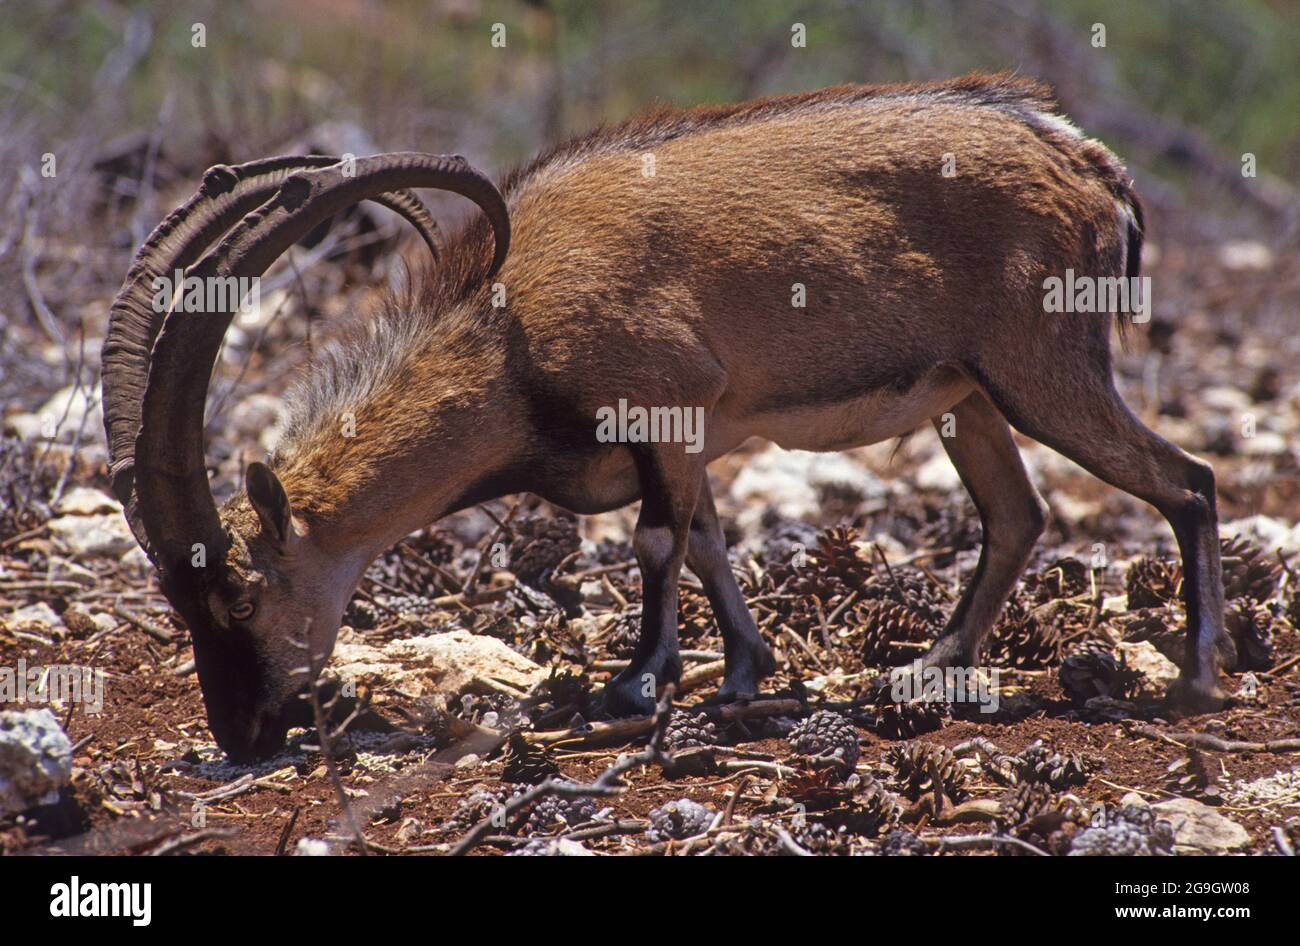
(1225, 399)
(1265, 443)
(789, 481)
(105, 535)
(66, 569)
(62, 415)
(1245, 254)
(311, 847)
(36, 617)
(1133, 798)
(938, 473)
(81, 501)
(1045, 464)
(453, 662)
(35, 760)
(1143, 657)
(1264, 531)
(1116, 604)
(136, 563)
(23, 426)
(1199, 829)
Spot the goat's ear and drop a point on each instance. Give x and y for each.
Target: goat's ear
(270, 500)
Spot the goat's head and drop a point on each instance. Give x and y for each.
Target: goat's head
(262, 600)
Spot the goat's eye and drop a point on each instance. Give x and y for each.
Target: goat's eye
(242, 611)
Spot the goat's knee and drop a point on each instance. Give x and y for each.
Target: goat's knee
(1015, 533)
(1200, 480)
(653, 548)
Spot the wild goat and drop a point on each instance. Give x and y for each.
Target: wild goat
(656, 262)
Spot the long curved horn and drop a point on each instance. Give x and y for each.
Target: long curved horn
(175, 500)
(226, 194)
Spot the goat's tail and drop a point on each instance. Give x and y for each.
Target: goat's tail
(1135, 234)
(1117, 181)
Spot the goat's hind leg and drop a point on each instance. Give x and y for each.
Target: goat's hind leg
(1011, 512)
(1077, 412)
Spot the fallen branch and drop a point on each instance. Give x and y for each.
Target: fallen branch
(1201, 740)
(189, 840)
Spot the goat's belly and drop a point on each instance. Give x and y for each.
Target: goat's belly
(608, 479)
(857, 422)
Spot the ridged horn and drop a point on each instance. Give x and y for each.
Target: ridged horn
(176, 506)
(226, 194)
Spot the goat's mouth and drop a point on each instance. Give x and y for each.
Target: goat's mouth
(263, 734)
(259, 737)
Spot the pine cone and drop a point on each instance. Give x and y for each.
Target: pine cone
(361, 614)
(621, 638)
(685, 732)
(903, 843)
(540, 544)
(820, 789)
(1023, 642)
(1153, 583)
(474, 806)
(917, 763)
(679, 819)
(908, 718)
(1064, 578)
(1192, 776)
(1023, 803)
(1093, 671)
(907, 585)
(527, 763)
(559, 811)
(1037, 763)
(1248, 572)
(826, 739)
(1117, 840)
(817, 838)
(837, 557)
(415, 608)
(884, 625)
(1250, 626)
(694, 615)
(1132, 831)
(953, 527)
(872, 809)
(783, 538)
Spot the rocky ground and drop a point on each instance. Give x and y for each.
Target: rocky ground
(473, 726)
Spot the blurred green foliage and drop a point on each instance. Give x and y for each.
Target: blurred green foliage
(425, 74)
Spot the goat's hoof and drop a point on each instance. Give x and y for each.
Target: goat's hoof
(1192, 697)
(744, 670)
(946, 652)
(733, 694)
(623, 698)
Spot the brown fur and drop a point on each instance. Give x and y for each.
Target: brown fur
(838, 190)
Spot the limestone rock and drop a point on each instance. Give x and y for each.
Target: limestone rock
(1199, 829)
(35, 760)
(106, 535)
(452, 662)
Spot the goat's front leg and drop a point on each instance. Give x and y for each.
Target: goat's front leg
(1013, 516)
(748, 658)
(670, 484)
